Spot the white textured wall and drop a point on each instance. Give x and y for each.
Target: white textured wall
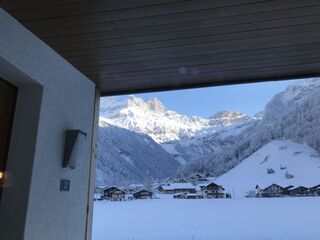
(53, 97)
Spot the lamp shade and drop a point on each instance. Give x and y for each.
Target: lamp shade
(73, 147)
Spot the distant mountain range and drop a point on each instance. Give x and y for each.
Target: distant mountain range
(183, 144)
(151, 117)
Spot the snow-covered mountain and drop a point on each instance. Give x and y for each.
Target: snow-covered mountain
(207, 142)
(126, 124)
(125, 157)
(215, 144)
(154, 119)
(150, 117)
(292, 114)
(227, 118)
(293, 164)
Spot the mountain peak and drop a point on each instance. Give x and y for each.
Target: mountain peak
(226, 113)
(227, 117)
(150, 117)
(156, 105)
(154, 119)
(135, 101)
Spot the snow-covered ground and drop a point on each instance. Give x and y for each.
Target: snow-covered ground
(221, 219)
(300, 160)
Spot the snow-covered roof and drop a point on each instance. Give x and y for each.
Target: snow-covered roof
(103, 187)
(316, 187)
(113, 187)
(210, 183)
(175, 186)
(200, 186)
(300, 187)
(264, 186)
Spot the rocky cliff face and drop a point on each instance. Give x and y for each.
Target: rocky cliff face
(227, 118)
(151, 117)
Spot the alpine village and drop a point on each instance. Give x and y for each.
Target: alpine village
(197, 186)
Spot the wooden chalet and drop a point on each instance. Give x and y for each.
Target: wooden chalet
(315, 191)
(203, 179)
(197, 178)
(287, 189)
(113, 193)
(181, 180)
(173, 188)
(106, 191)
(274, 190)
(142, 194)
(213, 190)
(299, 191)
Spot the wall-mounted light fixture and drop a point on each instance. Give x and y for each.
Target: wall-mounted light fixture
(2, 178)
(73, 147)
(6, 179)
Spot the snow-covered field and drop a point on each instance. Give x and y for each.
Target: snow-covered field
(219, 219)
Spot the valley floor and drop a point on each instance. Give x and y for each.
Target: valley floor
(221, 219)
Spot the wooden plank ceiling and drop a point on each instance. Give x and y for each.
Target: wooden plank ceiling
(130, 46)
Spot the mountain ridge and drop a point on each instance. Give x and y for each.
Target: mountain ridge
(218, 143)
(163, 125)
(125, 157)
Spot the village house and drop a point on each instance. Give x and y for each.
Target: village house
(203, 179)
(315, 191)
(299, 191)
(213, 190)
(287, 189)
(201, 185)
(196, 178)
(173, 188)
(181, 180)
(273, 190)
(142, 194)
(113, 193)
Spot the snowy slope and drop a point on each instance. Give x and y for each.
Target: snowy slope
(209, 141)
(300, 160)
(292, 114)
(186, 138)
(125, 157)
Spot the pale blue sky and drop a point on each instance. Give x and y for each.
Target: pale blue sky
(247, 98)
